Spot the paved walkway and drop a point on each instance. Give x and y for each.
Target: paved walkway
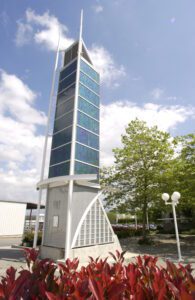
(11, 257)
(164, 246)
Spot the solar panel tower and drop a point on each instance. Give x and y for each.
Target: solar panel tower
(76, 224)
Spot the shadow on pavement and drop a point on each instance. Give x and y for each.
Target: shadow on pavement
(15, 255)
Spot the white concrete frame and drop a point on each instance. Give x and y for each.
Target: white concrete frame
(96, 198)
(72, 156)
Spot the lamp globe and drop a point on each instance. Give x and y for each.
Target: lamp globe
(165, 197)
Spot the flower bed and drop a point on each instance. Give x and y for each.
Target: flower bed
(98, 280)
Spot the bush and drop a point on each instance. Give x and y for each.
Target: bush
(99, 280)
(124, 232)
(28, 238)
(145, 241)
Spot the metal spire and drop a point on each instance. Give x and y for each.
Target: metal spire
(81, 26)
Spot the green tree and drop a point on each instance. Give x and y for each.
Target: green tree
(141, 166)
(185, 174)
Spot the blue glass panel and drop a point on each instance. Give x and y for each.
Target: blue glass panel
(89, 95)
(87, 155)
(89, 83)
(64, 107)
(81, 168)
(68, 70)
(66, 82)
(87, 122)
(88, 70)
(60, 154)
(88, 108)
(59, 170)
(87, 138)
(62, 137)
(69, 92)
(63, 122)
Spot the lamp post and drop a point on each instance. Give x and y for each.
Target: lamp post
(174, 201)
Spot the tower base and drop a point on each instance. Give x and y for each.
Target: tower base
(90, 231)
(82, 253)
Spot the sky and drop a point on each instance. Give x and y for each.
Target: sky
(144, 51)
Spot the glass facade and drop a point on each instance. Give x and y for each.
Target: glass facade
(59, 170)
(87, 123)
(63, 122)
(88, 95)
(60, 154)
(88, 108)
(66, 82)
(64, 107)
(90, 83)
(82, 168)
(89, 71)
(87, 138)
(68, 70)
(62, 137)
(87, 154)
(66, 94)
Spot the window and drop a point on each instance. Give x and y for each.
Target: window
(70, 54)
(88, 108)
(81, 168)
(89, 83)
(60, 154)
(87, 155)
(68, 70)
(88, 70)
(88, 95)
(70, 91)
(55, 221)
(59, 170)
(87, 138)
(87, 122)
(66, 82)
(64, 107)
(62, 137)
(63, 122)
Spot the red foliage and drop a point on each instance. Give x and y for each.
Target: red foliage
(99, 280)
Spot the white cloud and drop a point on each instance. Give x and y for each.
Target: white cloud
(98, 8)
(116, 116)
(106, 65)
(172, 20)
(21, 145)
(44, 30)
(24, 34)
(157, 93)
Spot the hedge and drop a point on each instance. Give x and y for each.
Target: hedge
(143, 279)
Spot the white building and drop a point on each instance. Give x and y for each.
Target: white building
(12, 217)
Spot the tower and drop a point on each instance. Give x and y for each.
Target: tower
(75, 221)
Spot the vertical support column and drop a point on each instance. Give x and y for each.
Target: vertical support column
(45, 143)
(73, 146)
(68, 220)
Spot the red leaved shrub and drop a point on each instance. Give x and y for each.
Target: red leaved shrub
(99, 280)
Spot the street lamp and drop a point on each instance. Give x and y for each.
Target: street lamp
(175, 200)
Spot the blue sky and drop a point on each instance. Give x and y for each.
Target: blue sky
(144, 51)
